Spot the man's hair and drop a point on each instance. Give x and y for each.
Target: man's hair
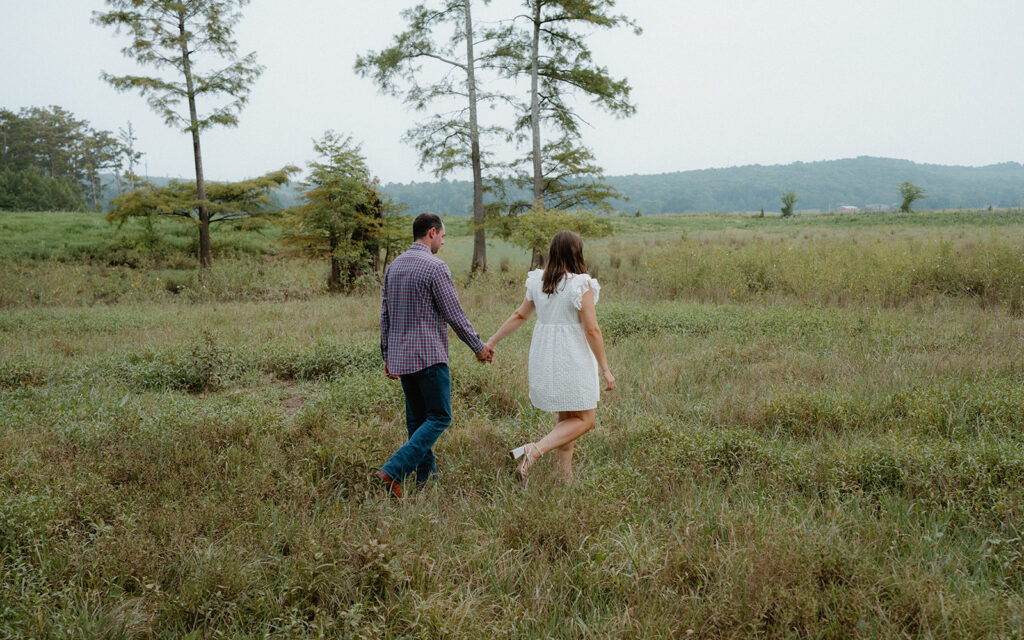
(424, 223)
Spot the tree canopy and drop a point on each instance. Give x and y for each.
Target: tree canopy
(910, 193)
(246, 199)
(546, 44)
(449, 138)
(53, 160)
(789, 200)
(344, 217)
(534, 229)
(177, 36)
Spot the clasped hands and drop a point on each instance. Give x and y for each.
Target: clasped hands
(486, 355)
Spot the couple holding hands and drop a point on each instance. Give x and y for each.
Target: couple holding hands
(567, 357)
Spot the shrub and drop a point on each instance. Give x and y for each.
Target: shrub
(21, 374)
(326, 360)
(198, 366)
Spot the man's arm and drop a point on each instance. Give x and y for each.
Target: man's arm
(447, 301)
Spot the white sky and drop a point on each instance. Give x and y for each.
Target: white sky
(716, 82)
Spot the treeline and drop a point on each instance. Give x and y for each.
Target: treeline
(51, 160)
(30, 189)
(821, 185)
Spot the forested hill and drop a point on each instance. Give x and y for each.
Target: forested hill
(819, 185)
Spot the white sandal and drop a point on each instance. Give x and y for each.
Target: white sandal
(528, 460)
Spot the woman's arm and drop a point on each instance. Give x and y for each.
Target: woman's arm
(516, 320)
(588, 316)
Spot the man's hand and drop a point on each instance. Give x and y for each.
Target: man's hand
(388, 373)
(486, 355)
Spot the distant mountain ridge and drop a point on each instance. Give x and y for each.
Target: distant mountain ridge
(821, 185)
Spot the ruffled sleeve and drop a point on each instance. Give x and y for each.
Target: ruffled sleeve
(534, 280)
(581, 284)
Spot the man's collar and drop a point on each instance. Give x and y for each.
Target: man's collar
(419, 245)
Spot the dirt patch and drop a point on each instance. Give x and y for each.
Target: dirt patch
(293, 403)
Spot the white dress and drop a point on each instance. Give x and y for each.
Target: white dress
(563, 370)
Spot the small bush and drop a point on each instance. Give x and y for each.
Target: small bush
(326, 360)
(198, 366)
(21, 374)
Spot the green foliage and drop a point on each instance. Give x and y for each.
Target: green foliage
(910, 193)
(552, 53)
(324, 360)
(199, 366)
(572, 180)
(21, 373)
(30, 190)
(239, 201)
(447, 140)
(840, 269)
(444, 140)
(345, 218)
(49, 159)
(788, 200)
(534, 229)
(49, 139)
(166, 34)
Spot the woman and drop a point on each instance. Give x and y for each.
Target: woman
(567, 351)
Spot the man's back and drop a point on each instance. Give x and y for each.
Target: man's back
(418, 299)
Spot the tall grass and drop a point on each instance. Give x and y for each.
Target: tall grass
(843, 270)
(788, 461)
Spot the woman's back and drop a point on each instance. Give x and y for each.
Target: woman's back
(563, 372)
(562, 306)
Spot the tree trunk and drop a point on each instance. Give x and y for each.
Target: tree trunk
(538, 167)
(373, 241)
(479, 262)
(131, 156)
(334, 278)
(536, 258)
(205, 258)
(94, 189)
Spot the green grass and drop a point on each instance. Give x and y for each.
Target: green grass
(778, 461)
(87, 237)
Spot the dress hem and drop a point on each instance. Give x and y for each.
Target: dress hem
(557, 410)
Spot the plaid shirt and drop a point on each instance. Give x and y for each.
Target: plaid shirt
(418, 299)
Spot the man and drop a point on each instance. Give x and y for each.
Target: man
(418, 301)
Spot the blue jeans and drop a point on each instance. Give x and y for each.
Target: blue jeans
(428, 412)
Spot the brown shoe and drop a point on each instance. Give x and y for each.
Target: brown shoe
(393, 488)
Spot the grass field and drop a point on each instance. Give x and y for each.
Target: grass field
(819, 432)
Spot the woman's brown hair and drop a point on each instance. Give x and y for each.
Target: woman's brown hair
(564, 256)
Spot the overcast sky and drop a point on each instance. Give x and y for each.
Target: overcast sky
(717, 83)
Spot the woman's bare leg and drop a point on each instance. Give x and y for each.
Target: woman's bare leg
(563, 455)
(570, 425)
